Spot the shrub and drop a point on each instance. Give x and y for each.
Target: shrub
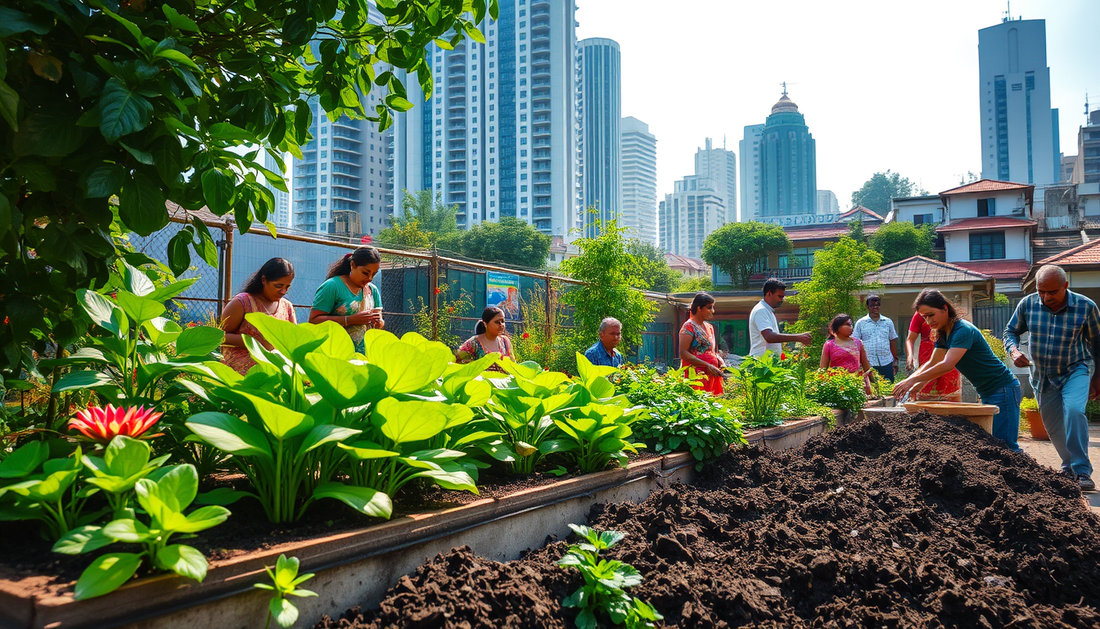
(764, 381)
(837, 388)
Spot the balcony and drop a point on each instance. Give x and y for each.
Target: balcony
(795, 273)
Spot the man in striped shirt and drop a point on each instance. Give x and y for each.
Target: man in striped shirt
(1065, 345)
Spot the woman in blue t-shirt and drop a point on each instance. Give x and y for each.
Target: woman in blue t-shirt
(348, 297)
(960, 345)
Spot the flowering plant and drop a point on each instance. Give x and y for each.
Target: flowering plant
(103, 424)
(838, 388)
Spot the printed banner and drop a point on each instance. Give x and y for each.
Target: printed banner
(502, 291)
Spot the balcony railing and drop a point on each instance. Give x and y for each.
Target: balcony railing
(796, 273)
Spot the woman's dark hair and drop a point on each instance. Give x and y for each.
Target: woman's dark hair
(487, 317)
(838, 321)
(700, 300)
(273, 269)
(361, 256)
(934, 299)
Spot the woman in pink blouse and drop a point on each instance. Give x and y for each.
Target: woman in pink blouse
(845, 352)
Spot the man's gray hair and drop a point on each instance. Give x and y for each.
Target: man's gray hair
(610, 322)
(1051, 271)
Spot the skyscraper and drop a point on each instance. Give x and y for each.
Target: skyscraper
(720, 166)
(827, 202)
(1086, 167)
(1018, 125)
(750, 172)
(788, 163)
(340, 182)
(699, 203)
(602, 107)
(498, 135)
(639, 208)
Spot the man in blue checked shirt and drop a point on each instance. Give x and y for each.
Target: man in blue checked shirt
(603, 351)
(1065, 343)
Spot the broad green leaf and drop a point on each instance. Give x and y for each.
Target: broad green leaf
(164, 293)
(162, 332)
(178, 57)
(183, 560)
(199, 341)
(78, 380)
(24, 460)
(122, 111)
(343, 384)
(325, 433)
(106, 574)
(450, 476)
(48, 135)
(404, 422)
(127, 530)
(217, 189)
(181, 22)
(103, 312)
(292, 341)
(365, 451)
(600, 388)
(141, 205)
(104, 181)
(283, 611)
(82, 540)
(407, 369)
(136, 282)
(588, 371)
(364, 500)
(126, 456)
(179, 486)
(139, 309)
(203, 518)
(229, 434)
(282, 422)
(222, 496)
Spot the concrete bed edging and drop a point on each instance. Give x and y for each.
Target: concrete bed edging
(357, 567)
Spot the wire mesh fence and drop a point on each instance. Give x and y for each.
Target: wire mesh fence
(438, 296)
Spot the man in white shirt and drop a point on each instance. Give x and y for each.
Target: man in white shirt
(764, 328)
(879, 338)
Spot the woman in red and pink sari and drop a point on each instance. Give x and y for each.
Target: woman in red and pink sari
(845, 352)
(697, 346)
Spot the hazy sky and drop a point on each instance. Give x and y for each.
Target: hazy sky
(883, 84)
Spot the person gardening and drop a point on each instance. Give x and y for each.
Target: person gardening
(1065, 345)
(960, 345)
(764, 332)
(945, 388)
(603, 351)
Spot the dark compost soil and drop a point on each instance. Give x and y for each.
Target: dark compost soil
(907, 521)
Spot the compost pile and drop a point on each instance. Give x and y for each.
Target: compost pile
(899, 522)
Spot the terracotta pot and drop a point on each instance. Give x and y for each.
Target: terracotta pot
(1037, 429)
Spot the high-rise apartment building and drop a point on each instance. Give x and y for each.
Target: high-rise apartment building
(788, 163)
(688, 215)
(827, 202)
(720, 166)
(340, 182)
(498, 137)
(1086, 168)
(1019, 129)
(601, 104)
(639, 207)
(750, 172)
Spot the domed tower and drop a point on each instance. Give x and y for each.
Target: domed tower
(788, 163)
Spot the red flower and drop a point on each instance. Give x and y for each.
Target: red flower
(103, 424)
(192, 324)
(6, 320)
(526, 335)
(782, 356)
(438, 290)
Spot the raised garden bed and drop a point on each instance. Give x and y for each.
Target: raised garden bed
(896, 521)
(358, 564)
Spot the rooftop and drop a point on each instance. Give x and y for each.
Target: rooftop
(1082, 255)
(988, 185)
(922, 271)
(824, 232)
(999, 269)
(859, 209)
(986, 222)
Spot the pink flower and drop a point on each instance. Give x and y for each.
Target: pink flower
(103, 424)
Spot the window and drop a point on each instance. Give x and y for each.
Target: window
(922, 219)
(800, 257)
(987, 246)
(986, 207)
(324, 178)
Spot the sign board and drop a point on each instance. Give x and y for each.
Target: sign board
(502, 291)
(794, 220)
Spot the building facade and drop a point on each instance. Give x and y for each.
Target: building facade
(720, 166)
(827, 202)
(1019, 128)
(1086, 167)
(601, 102)
(750, 172)
(788, 163)
(340, 184)
(498, 137)
(639, 205)
(688, 215)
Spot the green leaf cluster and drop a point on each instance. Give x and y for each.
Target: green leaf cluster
(840, 276)
(654, 273)
(878, 191)
(900, 240)
(284, 583)
(111, 112)
(735, 248)
(837, 388)
(605, 583)
(764, 381)
(163, 495)
(508, 241)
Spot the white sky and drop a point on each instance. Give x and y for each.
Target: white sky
(882, 84)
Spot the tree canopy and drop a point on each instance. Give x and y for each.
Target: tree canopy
(839, 276)
(901, 239)
(654, 273)
(424, 221)
(111, 109)
(511, 241)
(877, 191)
(735, 248)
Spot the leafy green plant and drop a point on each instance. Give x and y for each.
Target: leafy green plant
(1029, 404)
(163, 501)
(284, 582)
(45, 489)
(449, 308)
(605, 583)
(838, 388)
(677, 417)
(764, 381)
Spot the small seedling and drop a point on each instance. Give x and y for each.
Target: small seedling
(605, 582)
(284, 582)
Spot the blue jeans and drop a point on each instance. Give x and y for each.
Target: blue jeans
(1006, 423)
(886, 371)
(1063, 411)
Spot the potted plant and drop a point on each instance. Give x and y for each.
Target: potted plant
(1030, 408)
